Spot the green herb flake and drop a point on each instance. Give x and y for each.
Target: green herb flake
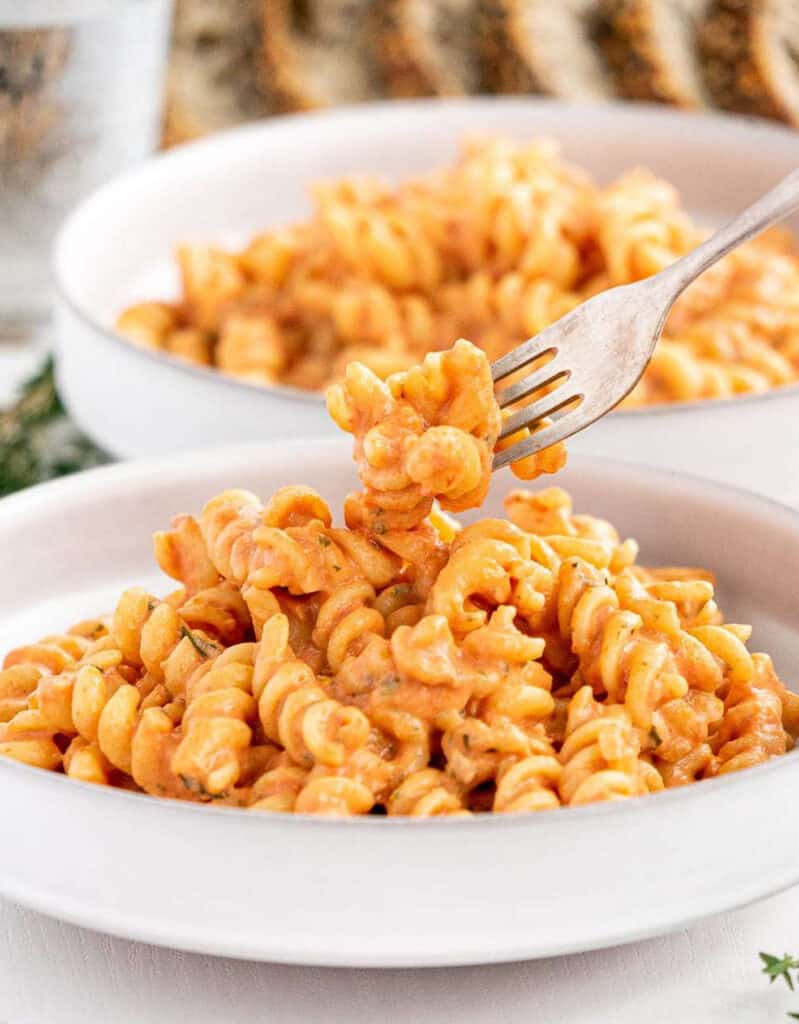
(654, 735)
(195, 786)
(191, 784)
(324, 541)
(204, 649)
(390, 684)
(467, 741)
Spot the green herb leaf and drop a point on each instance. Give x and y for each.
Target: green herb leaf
(191, 784)
(37, 440)
(324, 541)
(779, 967)
(654, 735)
(206, 650)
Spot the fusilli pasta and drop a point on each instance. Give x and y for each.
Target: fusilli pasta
(403, 664)
(494, 248)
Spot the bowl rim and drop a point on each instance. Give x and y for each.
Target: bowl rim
(98, 483)
(715, 123)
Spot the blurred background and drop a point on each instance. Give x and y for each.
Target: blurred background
(91, 87)
(235, 60)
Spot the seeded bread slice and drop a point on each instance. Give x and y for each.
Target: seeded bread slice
(750, 52)
(213, 79)
(651, 45)
(319, 53)
(543, 46)
(428, 47)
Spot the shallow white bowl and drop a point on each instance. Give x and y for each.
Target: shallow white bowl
(118, 248)
(377, 891)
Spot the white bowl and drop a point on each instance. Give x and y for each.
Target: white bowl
(118, 248)
(377, 891)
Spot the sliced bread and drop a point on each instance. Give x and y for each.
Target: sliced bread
(428, 47)
(213, 79)
(543, 46)
(750, 52)
(652, 48)
(319, 53)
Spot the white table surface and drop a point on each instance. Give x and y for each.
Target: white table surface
(53, 973)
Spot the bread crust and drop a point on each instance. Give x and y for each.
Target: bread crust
(281, 73)
(643, 70)
(506, 61)
(288, 28)
(407, 57)
(738, 62)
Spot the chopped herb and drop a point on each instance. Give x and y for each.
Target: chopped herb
(195, 786)
(206, 650)
(390, 684)
(324, 541)
(191, 784)
(337, 567)
(654, 735)
(467, 741)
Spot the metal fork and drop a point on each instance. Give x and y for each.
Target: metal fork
(598, 351)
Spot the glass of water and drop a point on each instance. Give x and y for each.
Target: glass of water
(81, 86)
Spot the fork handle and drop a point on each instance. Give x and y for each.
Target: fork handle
(774, 206)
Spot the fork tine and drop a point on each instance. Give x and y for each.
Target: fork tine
(539, 378)
(536, 442)
(523, 354)
(530, 414)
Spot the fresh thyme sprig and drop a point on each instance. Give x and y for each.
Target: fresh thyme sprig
(780, 967)
(37, 440)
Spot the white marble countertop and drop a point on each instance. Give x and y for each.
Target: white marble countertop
(52, 973)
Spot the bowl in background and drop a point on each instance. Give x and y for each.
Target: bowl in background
(118, 246)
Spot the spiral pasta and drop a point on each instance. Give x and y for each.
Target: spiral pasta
(404, 664)
(495, 247)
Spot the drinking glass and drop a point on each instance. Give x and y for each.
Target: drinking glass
(81, 85)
